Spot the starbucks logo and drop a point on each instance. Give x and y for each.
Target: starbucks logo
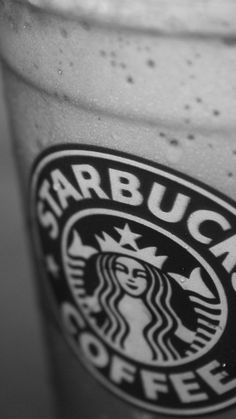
(131, 301)
(140, 268)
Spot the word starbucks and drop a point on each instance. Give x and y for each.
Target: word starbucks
(85, 182)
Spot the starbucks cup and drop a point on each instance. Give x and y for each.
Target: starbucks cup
(123, 117)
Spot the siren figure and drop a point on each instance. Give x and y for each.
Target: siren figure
(134, 299)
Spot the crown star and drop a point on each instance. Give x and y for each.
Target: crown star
(127, 236)
(147, 254)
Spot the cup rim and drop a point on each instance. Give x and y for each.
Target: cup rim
(206, 18)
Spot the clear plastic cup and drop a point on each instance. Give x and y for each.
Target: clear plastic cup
(123, 125)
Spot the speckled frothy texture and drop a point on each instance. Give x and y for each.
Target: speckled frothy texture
(171, 99)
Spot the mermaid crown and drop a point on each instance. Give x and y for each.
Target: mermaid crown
(127, 237)
(126, 246)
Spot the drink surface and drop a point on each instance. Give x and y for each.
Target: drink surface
(186, 113)
(164, 91)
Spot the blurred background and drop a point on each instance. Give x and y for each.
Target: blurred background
(24, 384)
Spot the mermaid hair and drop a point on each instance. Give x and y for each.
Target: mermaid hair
(157, 299)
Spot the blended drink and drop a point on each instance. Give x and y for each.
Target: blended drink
(124, 129)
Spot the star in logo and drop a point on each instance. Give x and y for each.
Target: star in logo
(127, 236)
(52, 266)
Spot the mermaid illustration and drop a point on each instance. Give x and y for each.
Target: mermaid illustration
(130, 303)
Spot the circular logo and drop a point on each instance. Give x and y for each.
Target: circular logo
(130, 300)
(140, 265)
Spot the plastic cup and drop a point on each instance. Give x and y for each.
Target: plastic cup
(123, 126)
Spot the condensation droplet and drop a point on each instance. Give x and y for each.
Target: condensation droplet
(233, 280)
(56, 186)
(27, 25)
(130, 80)
(151, 63)
(174, 142)
(199, 100)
